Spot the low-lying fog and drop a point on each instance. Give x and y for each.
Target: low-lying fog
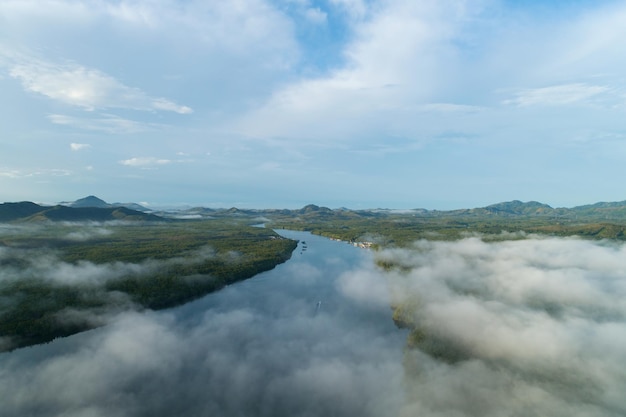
(297, 341)
(540, 322)
(539, 325)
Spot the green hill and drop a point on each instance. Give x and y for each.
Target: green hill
(14, 211)
(31, 212)
(90, 201)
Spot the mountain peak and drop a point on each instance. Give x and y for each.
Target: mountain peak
(519, 207)
(90, 201)
(313, 208)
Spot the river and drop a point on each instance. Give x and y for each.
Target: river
(312, 337)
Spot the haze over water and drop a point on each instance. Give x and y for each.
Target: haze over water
(532, 326)
(305, 339)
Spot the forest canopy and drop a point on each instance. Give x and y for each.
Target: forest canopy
(57, 279)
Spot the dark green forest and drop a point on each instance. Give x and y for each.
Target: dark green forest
(403, 229)
(139, 265)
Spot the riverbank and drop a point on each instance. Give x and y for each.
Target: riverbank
(63, 279)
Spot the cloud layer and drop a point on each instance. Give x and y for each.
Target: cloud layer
(87, 88)
(296, 341)
(509, 327)
(347, 99)
(527, 327)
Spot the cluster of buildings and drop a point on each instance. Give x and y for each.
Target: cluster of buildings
(363, 245)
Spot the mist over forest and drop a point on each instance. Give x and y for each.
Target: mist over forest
(524, 327)
(534, 326)
(264, 348)
(60, 278)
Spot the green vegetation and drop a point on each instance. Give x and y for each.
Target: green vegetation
(503, 221)
(31, 212)
(66, 269)
(57, 279)
(31, 308)
(390, 229)
(427, 340)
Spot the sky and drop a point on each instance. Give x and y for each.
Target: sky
(280, 103)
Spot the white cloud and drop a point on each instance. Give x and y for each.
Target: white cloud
(263, 36)
(590, 43)
(397, 77)
(108, 123)
(139, 13)
(162, 104)
(315, 15)
(10, 173)
(451, 57)
(84, 87)
(145, 162)
(39, 11)
(79, 146)
(357, 9)
(557, 95)
(396, 61)
(34, 173)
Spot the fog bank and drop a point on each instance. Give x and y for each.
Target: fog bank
(524, 327)
(296, 341)
(533, 327)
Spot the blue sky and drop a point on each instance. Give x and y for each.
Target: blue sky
(438, 104)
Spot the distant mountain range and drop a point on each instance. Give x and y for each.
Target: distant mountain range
(510, 209)
(30, 212)
(93, 201)
(597, 211)
(92, 208)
